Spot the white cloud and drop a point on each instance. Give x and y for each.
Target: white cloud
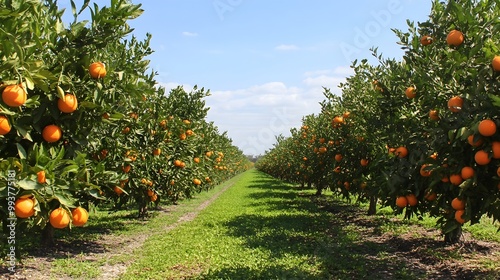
(189, 34)
(286, 48)
(253, 116)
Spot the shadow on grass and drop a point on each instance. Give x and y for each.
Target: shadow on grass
(328, 238)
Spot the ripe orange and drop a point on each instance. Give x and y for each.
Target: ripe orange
(14, 95)
(118, 190)
(24, 207)
(458, 204)
(455, 38)
(177, 163)
(68, 104)
(401, 201)
(346, 115)
(338, 157)
(401, 152)
(4, 125)
(425, 40)
(126, 168)
(410, 92)
(495, 147)
(496, 63)
(479, 140)
(364, 162)
(347, 185)
(157, 151)
(154, 197)
(458, 216)
(456, 179)
(412, 199)
(431, 196)
(424, 172)
(40, 177)
(80, 216)
(51, 133)
(126, 130)
(183, 136)
(97, 70)
(196, 160)
(455, 104)
(338, 120)
(482, 157)
(150, 192)
(197, 181)
(186, 122)
(434, 115)
(487, 127)
(59, 218)
(467, 172)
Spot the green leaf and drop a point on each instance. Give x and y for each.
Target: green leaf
(21, 151)
(28, 185)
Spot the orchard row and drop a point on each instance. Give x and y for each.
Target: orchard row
(83, 122)
(420, 133)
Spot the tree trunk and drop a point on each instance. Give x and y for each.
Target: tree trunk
(454, 236)
(47, 236)
(372, 208)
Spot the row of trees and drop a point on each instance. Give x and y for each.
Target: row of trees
(83, 121)
(418, 133)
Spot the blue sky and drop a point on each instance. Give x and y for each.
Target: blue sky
(265, 62)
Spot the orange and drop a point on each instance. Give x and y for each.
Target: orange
(455, 104)
(338, 157)
(434, 115)
(126, 130)
(431, 196)
(424, 172)
(498, 171)
(401, 202)
(364, 162)
(477, 143)
(14, 95)
(24, 207)
(496, 63)
(126, 168)
(337, 169)
(338, 119)
(412, 200)
(425, 40)
(177, 163)
(97, 70)
(80, 216)
(346, 115)
(157, 151)
(456, 179)
(183, 136)
(4, 125)
(186, 122)
(401, 152)
(482, 157)
(151, 192)
(410, 92)
(455, 38)
(347, 185)
(196, 160)
(51, 133)
(458, 216)
(197, 181)
(487, 127)
(154, 197)
(59, 218)
(68, 104)
(117, 190)
(495, 147)
(467, 172)
(458, 204)
(40, 177)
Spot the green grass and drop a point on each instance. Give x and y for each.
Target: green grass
(259, 229)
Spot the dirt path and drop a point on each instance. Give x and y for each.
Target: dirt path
(102, 252)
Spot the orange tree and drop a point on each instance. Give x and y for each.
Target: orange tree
(429, 121)
(82, 121)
